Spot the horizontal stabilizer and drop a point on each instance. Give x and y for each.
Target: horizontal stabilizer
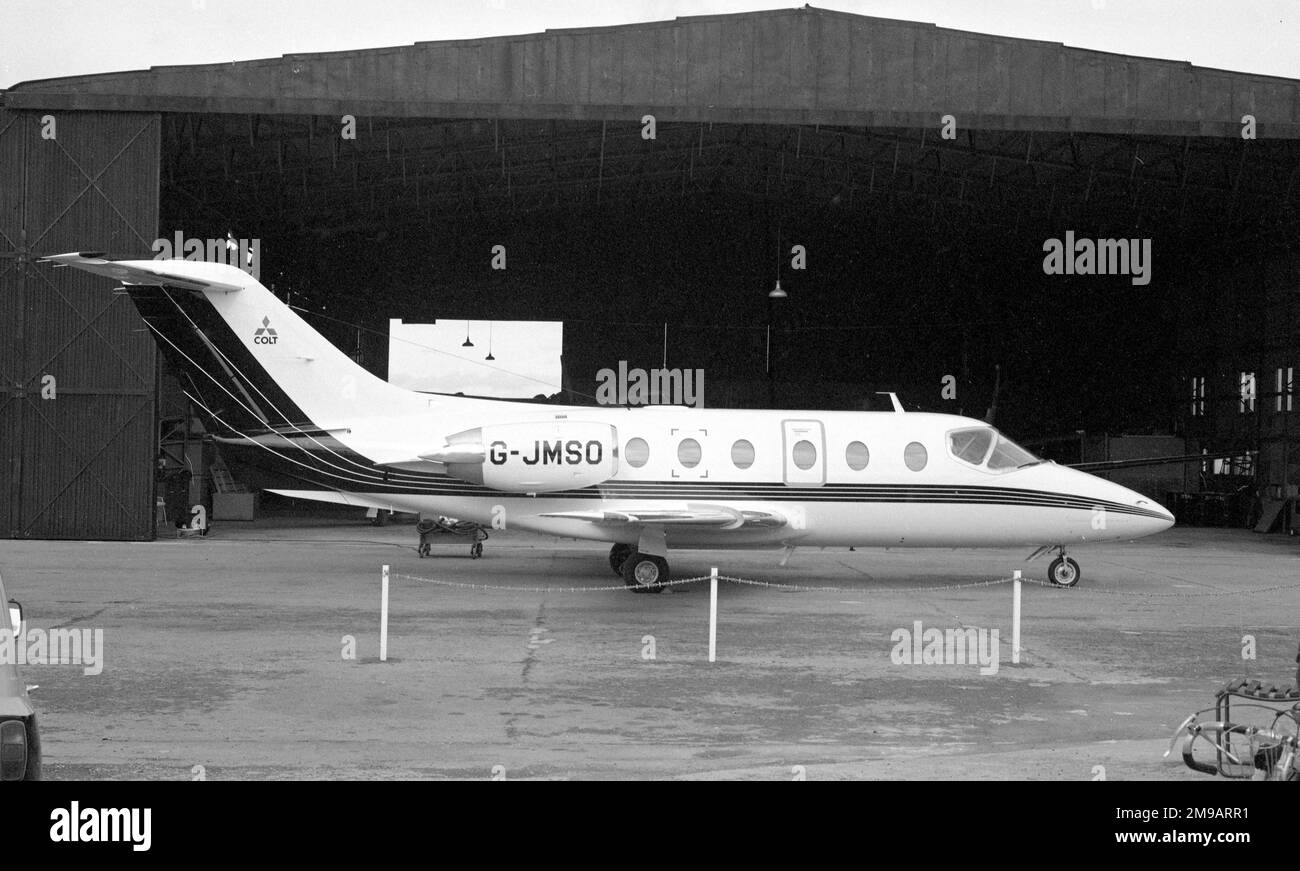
(148, 272)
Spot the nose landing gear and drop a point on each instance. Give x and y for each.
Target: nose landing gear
(1063, 572)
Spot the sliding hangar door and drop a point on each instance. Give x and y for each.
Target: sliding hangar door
(77, 430)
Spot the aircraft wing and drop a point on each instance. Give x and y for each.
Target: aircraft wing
(712, 516)
(137, 272)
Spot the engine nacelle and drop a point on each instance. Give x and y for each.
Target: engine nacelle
(539, 457)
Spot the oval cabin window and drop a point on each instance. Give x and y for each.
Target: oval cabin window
(915, 456)
(688, 453)
(742, 454)
(637, 452)
(804, 454)
(857, 456)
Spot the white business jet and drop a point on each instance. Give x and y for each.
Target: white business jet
(318, 426)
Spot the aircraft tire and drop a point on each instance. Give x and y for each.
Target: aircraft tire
(645, 573)
(618, 555)
(1064, 572)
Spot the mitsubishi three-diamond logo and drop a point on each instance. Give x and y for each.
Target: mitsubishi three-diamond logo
(265, 334)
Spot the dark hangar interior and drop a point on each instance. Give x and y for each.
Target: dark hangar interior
(924, 245)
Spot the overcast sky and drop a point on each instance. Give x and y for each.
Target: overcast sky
(50, 38)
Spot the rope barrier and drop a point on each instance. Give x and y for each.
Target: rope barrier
(802, 588)
(805, 589)
(1146, 595)
(534, 589)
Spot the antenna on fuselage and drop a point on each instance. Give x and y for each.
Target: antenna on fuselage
(997, 385)
(893, 397)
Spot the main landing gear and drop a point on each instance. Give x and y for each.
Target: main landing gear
(641, 572)
(618, 555)
(1063, 572)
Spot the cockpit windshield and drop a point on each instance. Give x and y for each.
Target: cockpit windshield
(971, 445)
(1008, 455)
(986, 447)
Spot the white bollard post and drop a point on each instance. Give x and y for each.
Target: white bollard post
(713, 613)
(1015, 618)
(383, 617)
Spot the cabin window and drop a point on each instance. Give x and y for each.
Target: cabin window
(689, 453)
(742, 454)
(857, 456)
(637, 452)
(805, 454)
(915, 456)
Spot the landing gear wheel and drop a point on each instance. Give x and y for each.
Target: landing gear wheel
(476, 550)
(645, 573)
(1064, 572)
(618, 555)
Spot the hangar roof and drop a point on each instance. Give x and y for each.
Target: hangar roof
(795, 66)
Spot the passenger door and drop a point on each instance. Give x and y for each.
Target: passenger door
(803, 444)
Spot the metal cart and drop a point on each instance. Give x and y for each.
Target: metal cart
(431, 528)
(1242, 750)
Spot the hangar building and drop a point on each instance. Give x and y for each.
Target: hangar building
(920, 169)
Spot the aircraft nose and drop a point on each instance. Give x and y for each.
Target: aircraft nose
(1143, 515)
(1117, 512)
(1153, 515)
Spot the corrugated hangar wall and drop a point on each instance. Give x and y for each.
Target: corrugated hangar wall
(77, 427)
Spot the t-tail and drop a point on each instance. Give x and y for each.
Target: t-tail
(287, 405)
(249, 362)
